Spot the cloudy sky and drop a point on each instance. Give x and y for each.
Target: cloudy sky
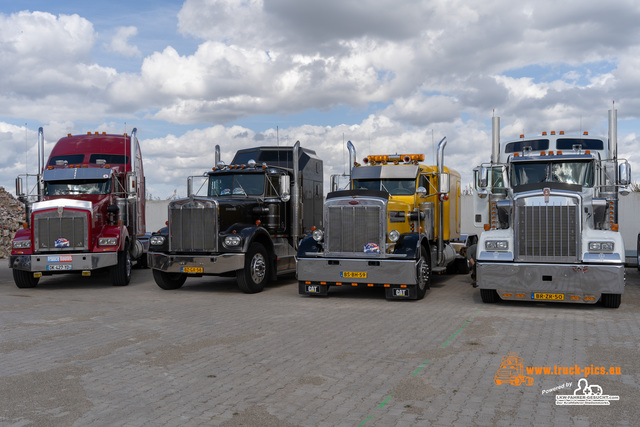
(389, 75)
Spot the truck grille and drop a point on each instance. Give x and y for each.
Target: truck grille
(193, 227)
(547, 233)
(350, 228)
(60, 232)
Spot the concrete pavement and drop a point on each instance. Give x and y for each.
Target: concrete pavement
(78, 351)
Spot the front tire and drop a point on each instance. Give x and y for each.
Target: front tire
(121, 272)
(423, 273)
(489, 296)
(255, 274)
(169, 281)
(24, 279)
(611, 300)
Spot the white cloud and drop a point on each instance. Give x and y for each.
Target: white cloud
(421, 68)
(120, 42)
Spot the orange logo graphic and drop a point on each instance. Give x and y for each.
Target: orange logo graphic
(511, 371)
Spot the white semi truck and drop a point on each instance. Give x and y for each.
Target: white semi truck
(549, 208)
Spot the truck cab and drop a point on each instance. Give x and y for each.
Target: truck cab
(549, 209)
(88, 211)
(248, 224)
(391, 229)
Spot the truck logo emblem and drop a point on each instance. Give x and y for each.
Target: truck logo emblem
(371, 248)
(61, 243)
(546, 193)
(60, 210)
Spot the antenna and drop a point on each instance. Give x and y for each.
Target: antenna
(277, 136)
(26, 151)
(344, 171)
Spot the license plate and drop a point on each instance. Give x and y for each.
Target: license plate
(58, 267)
(555, 297)
(193, 269)
(354, 274)
(313, 289)
(400, 293)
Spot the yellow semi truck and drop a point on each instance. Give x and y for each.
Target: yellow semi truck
(391, 228)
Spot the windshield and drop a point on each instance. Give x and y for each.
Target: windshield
(250, 184)
(580, 173)
(395, 187)
(80, 186)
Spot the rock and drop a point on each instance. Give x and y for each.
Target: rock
(11, 219)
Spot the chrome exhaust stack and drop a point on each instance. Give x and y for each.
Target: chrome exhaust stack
(440, 165)
(495, 140)
(295, 196)
(352, 159)
(40, 163)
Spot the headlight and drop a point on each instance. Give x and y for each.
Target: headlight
(394, 235)
(601, 246)
(156, 240)
(318, 235)
(496, 245)
(107, 241)
(21, 244)
(232, 240)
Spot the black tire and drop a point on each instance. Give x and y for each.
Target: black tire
(256, 272)
(638, 251)
(611, 300)
(121, 272)
(462, 266)
(169, 281)
(489, 296)
(423, 273)
(25, 279)
(142, 262)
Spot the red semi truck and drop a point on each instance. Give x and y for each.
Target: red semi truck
(88, 212)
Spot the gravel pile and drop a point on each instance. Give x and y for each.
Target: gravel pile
(11, 219)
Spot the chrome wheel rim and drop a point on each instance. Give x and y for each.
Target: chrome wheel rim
(258, 268)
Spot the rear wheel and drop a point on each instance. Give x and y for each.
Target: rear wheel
(169, 281)
(121, 272)
(255, 274)
(489, 296)
(24, 279)
(423, 273)
(611, 300)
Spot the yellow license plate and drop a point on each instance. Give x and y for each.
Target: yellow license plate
(555, 297)
(193, 269)
(353, 274)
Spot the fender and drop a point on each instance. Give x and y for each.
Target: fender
(308, 244)
(409, 244)
(251, 234)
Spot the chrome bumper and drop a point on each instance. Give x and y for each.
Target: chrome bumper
(210, 264)
(379, 271)
(60, 263)
(579, 280)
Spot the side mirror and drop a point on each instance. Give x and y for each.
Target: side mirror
(624, 174)
(113, 209)
(483, 179)
(443, 183)
(131, 183)
(285, 188)
(422, 192)
(189, 186)
(19, 192)
(334, 183)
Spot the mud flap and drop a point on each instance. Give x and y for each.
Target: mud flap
(312, 289)
(397, 292)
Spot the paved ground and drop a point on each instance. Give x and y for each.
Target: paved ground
(77, 351)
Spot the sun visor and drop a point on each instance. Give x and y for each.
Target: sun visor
(68, 174)
(385, 172)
